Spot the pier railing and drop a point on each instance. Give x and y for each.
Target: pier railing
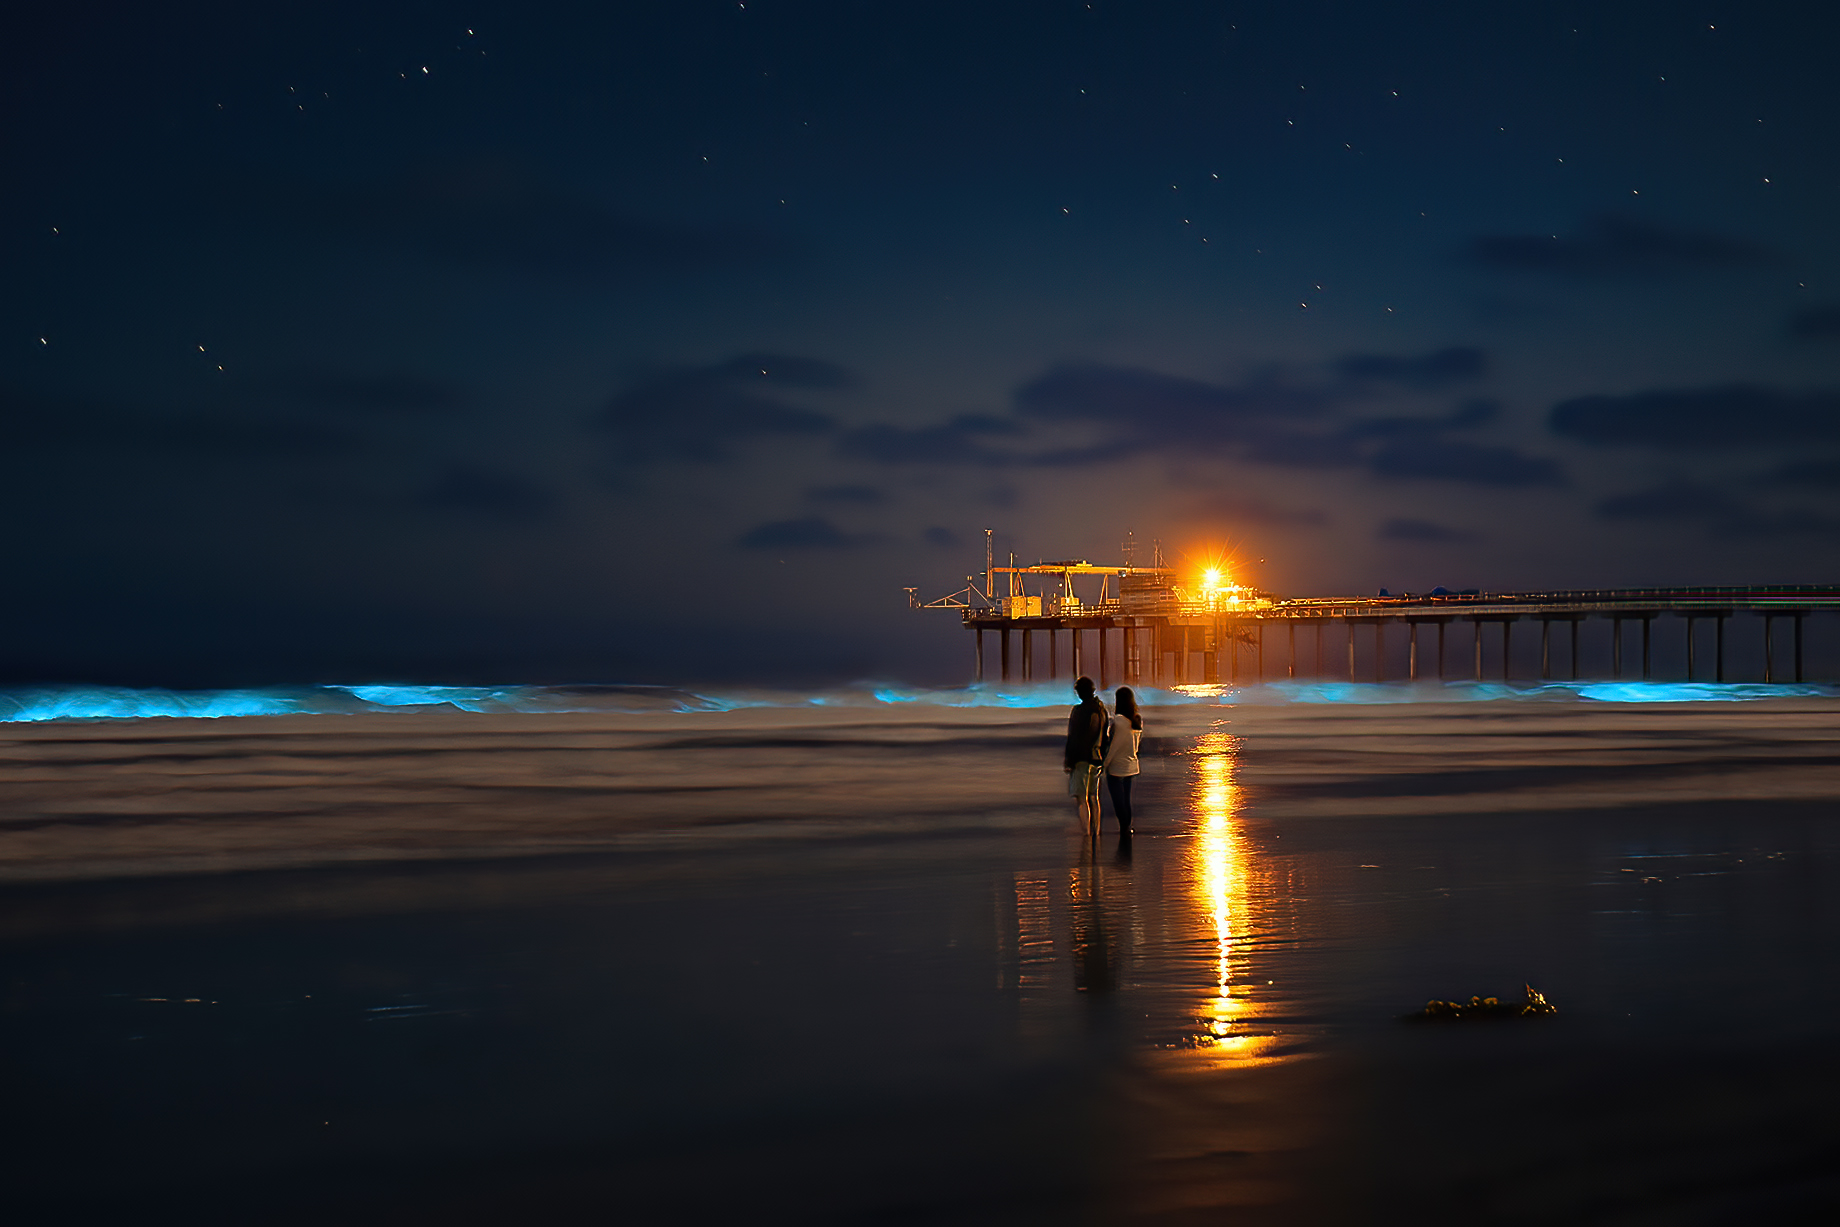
(1221, 628)
(1632, 602)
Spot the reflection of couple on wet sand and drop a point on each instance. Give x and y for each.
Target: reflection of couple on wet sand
(1102, 743)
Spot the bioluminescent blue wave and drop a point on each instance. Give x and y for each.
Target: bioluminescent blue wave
(1019, 694)
(115, 703)
(41, 703)
(1474, 692)
(466, 698)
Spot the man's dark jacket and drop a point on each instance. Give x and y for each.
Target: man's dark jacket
(1085, 726)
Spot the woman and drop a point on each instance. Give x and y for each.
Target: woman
(1121, 767)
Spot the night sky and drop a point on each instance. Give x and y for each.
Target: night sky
(669, 341)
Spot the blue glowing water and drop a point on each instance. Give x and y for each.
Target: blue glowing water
(42, 703)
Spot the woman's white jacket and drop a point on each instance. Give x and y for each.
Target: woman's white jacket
(1121, 755)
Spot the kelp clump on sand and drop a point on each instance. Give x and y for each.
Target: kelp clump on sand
(1485, 1007)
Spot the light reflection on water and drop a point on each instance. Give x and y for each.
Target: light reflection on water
(1219, 869)
(1226, 888)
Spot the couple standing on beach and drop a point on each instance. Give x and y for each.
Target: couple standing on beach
(1102, 743)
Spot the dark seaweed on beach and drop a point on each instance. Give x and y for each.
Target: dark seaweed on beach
(1485, 1007)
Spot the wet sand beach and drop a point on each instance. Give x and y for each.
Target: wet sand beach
(856, 964)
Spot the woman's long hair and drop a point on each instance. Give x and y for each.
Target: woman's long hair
(1127, 707)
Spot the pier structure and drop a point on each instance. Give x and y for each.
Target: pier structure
(1241, 634)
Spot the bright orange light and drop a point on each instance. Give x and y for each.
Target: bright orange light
(1210, 578)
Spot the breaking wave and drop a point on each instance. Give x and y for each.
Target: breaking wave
(42, 703)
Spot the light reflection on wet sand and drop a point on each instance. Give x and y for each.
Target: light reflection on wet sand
(1174, 922)
(1220, 864)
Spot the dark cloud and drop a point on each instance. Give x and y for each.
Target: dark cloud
(1740, 415)
(1422, 531)
(209, 434)
(1823, 474)
(1177, 411)
(1454, 460)
(493, 495)
(1298, 449)
(863, 495)
(789, 370)
(1790, 522)
(1473, 412)
(811, 533)
(1406, 447)
(699, 413)
(1685, 501)
(1257, 422)
(1133, 412)
(29, 420)
(1109, 452)
(377, 393)
(940, 536)
(494, 215)
(1677, 500)
(1433, 370)
(959, 441)
(1614, 247)
(1816, 323)
(1243, 510)
(1139, 410)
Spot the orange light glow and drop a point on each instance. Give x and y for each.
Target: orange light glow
(1213, 587)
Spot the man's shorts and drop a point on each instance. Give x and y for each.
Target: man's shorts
(1084, 780)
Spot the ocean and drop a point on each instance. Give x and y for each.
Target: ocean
(643, 954)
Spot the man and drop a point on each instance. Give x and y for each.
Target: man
(1086, 726)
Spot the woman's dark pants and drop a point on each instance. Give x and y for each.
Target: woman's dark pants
(1120, 788)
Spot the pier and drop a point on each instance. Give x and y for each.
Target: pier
(1146, 626)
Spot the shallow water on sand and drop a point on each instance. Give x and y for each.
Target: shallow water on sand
(855, 963)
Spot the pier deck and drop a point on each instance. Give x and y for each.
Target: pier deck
(1161, 631)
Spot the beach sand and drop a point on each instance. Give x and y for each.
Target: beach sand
(857, 964)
